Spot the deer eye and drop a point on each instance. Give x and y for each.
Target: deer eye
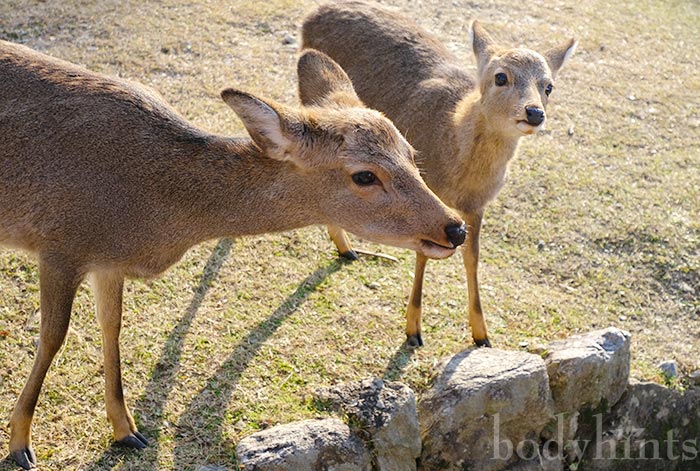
(501, 79)
(364, 178)
(548, 89)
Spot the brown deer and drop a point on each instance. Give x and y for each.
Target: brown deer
(101, 178)
(464, 129)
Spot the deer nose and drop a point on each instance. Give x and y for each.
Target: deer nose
(535, 115)
(456, 233)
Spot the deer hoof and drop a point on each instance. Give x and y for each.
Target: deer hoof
(414, 341)
(135, 440)
(350, 255)
(25, 458)
(483, 342)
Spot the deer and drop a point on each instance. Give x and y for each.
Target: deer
(465, 128)
(100, 178)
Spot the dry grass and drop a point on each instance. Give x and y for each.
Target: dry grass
(594, 229)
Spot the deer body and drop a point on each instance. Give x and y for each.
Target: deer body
(466, 129)
(100, 178)
(111, 196)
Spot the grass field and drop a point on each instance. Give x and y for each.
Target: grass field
(598, 226)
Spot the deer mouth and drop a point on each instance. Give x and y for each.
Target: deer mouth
(527, 128)
(434, 250)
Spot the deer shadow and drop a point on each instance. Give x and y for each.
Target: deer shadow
(201, 425)
(215, 396)
(150, 406)
(397, 363)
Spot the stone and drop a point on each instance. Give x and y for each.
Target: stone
(694, 377)
(537, 465)
(652, 428)
(288, 39)
(385, 414)
(588, 374)
(318, 445)
(669, 369)
(484, 411)
(588, 370)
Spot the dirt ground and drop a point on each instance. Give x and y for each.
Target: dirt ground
(597, 226)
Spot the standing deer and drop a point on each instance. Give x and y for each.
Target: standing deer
(99, 177)
(464, 129)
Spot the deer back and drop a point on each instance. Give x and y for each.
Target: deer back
(401, 69)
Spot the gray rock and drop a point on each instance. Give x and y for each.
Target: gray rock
(652, 428)
(538, 465)
(484, 411)
(694, 377)
(588, 371)
(588, 374)
(553, 464)
(669, 368)
(288, 39)
(319, 445)
(211, 467)
(386, 416)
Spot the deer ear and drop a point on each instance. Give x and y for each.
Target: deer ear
(558, 56)
(323, 81)
(265, 122)
(483, 46)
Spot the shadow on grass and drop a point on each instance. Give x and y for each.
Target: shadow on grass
(200, 428)
(8, 464)
(149, 407)
(397, 363)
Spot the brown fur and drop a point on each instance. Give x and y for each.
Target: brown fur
(100, 177)
(465, 129)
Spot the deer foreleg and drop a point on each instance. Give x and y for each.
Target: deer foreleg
(342, 242)
(58, 284)
(415, 309)
(108, 289)
(470, 254)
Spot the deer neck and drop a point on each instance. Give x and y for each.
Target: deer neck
(480, 139)
(484, 151)
(234, 190)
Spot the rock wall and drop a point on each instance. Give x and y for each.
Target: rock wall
(572, 408)
(651, 428)
(314, 445)
(385, 415)
(484, 403)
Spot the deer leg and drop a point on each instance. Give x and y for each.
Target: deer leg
(415, 309)
(58, 285)
(470, 254)
(341, 241)
(108, 290)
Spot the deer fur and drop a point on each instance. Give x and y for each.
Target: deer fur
(100, 178)
(465, 129)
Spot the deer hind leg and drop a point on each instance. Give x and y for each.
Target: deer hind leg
(415, 308)
(108, 290)
(470, 253)
(342, 242)
(58, 285)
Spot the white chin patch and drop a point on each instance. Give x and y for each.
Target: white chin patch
(525, 128)
(435, 251)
